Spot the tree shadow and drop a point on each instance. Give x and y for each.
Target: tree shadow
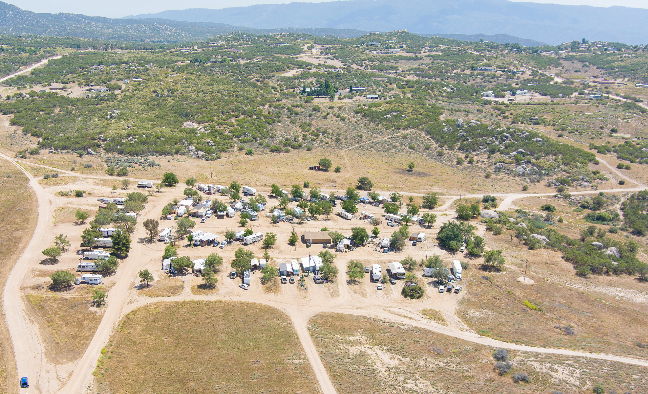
(49, 261)
(489, 268)
(205, 286)
(60, 289)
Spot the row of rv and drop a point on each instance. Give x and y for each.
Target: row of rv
(213, 189)
(202, 239)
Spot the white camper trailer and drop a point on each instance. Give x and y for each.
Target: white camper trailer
(199, 265)
(96, 255)
(165, 235)
(396, 270)
(345, 215)
(456, 269)
(107, 232)
(230, 212)
(247, 277)
(250, 239)
(86, 266)
(103, 242)
(376, 272)
(91, 279)
(145, 184)
(248, 191)
(393, 218)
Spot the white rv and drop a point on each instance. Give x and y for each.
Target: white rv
(107, 232)
(396, 270)
(103, 242)
(96, 255)
(230, 212)
(165, 235)
(393, 218)
(199, 265)
(250, 239)
(345, 215)
(87, 267)
(456, 269)
(247, 277)
(91, 279)
(248, 191)
(376, 272)
(145, 184)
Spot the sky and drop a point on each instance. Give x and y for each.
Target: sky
(121, 8)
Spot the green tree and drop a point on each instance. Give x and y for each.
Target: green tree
(107, 266)
(241, 262)
(121, 243)
(429, 219)
(359, 235)
(364, 183)
(350, 207)
(475, 246)
(326, 208)
(229, 235)
(182, 264)
(61, 279)
(328, 271)
(297, 192)
(355, 270)
(391, 208)
(412, 210)
(219, 206)
(169, 179)
(268, 274)
(325, 164)
(209, 279)
(413, 292)
(191, 182)
(399, 237)
(269, 240)
(396, 197)
(170, 251)
(184, 226)
(451, 236)
(52, 253)
(81, 216)
(494, 259)
(430, 201)
(145, 277)
(152, 228)
(326, 256)
(98, 297)
(335, 237)
(374, 196)
(338, 169)
(409, 263)
(61, 242)
(375, 232)
(410, 167)
(293, 238)
(214, 262)
(276, 190)
(243, 221)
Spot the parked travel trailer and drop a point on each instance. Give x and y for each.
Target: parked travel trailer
(87, 266)
(96, 254)
(345, 215)
(393, 218)
(262, 263)
(145, 184)
(91, 279)
(456, 269)
(295, 267)
(198, 265)
(165, 235)
(419, 237)
(107, 232)
(103, 242)
(230, 212)
(376, 272)
(250, 239)
(119, 200)
(284, 269)
(248, 191)
(247, 277)
(182, 210)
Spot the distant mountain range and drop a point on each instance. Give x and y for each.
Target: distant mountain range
(550, 23)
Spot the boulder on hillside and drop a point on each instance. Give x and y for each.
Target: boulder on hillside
(614, 252)
(598, 245)
(487, 214)
(541, 238)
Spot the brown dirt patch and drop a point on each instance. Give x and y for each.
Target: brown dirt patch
(164, 287)
(365, 355)
(202, 347)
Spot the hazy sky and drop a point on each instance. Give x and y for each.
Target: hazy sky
(120, 8)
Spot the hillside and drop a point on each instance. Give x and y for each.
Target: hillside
(548, 23)
(16, 21)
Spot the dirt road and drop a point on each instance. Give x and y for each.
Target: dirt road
(28, 69)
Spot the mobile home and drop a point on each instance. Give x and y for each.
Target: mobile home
(396, 270)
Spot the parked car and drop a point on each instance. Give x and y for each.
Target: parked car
(458, 289)
(413, 243)
(367, 269)
(24, 383)
(380, 286)
(441, 288)
(292, 280)
(222, 244)
(462, 249)
(203, 220)
(232, 275)
(392, 281)
(449, 288)
(284, 280)
(244, 286)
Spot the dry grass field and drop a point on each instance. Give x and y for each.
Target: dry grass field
(19, 214)
(205, 347)
(67, 323)
(165, 287)
(364, 355)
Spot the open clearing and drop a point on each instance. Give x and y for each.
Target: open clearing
(18, 212)
(202, 347)
(365, 355)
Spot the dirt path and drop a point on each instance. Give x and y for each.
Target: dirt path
(28, 69)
